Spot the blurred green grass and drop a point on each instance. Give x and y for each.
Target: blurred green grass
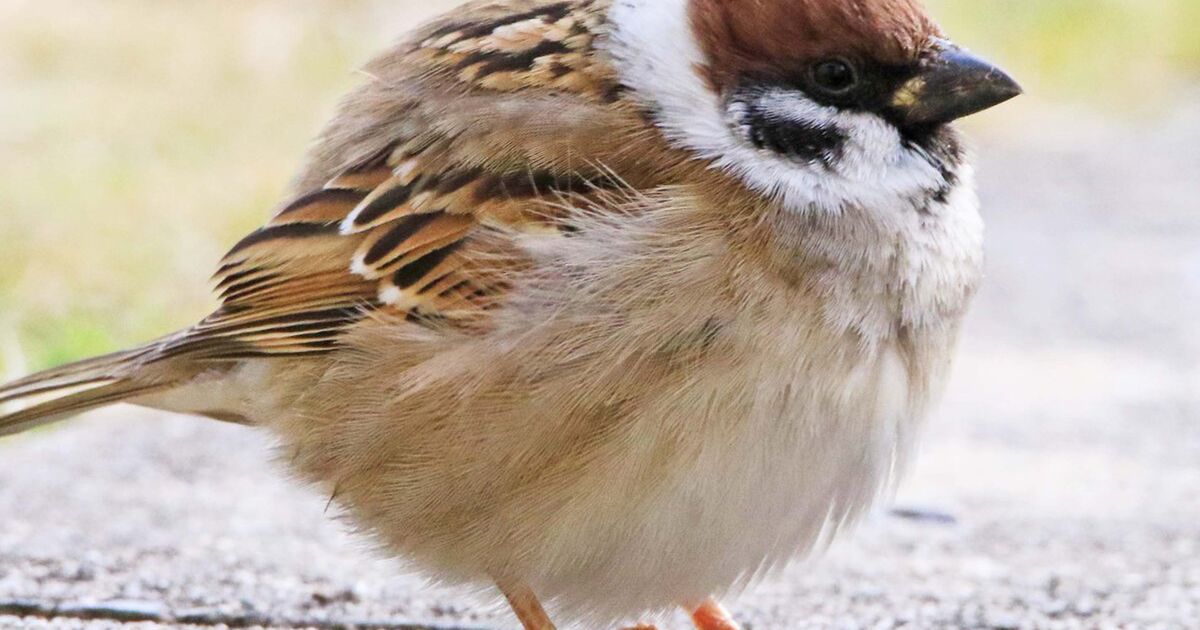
(139, 139)
(1121, 54)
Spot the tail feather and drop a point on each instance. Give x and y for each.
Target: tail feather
(61, 392)
(92, 371)
(72, 404)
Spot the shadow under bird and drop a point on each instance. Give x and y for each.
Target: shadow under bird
(618, 305)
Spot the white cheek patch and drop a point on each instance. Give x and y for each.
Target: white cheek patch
(872, 167)
(657, 56)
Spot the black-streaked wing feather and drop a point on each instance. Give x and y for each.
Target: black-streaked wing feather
(399, 233)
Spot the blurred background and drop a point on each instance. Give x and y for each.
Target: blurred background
(1059, 486)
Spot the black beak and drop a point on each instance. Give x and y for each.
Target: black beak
(950, 85)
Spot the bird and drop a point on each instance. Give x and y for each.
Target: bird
(613, 306)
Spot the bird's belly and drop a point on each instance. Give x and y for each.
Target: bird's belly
(774, 469)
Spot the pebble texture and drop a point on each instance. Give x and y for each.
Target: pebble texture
(1058, 487)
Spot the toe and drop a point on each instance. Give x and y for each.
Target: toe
(713, 616)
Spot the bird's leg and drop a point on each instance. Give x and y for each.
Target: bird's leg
(712, 616)
(526, 606)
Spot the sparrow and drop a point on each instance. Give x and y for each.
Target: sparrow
(616, 305)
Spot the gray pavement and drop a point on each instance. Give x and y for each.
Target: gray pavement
(1059, 486)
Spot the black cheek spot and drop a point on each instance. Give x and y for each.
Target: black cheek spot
(796, 139)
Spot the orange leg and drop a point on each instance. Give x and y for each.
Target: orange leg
(712, 616)
(527, 607)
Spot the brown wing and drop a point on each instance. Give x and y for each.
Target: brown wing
(501, 116)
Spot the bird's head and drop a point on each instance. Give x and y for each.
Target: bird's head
(819, 103)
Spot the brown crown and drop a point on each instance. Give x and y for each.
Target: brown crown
(780, 37)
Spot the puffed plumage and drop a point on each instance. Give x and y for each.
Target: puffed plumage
(607, 303)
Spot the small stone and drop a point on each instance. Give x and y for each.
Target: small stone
(344, 596)
(924, 515)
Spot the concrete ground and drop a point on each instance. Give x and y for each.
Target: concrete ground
(1059, 486)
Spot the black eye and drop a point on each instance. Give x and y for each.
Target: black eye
(835, 77)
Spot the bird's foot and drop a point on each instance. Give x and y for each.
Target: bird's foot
(712, 616)
(526, 606)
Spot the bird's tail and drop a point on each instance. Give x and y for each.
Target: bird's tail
(71, 389)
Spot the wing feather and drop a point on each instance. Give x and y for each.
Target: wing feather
(492, 118)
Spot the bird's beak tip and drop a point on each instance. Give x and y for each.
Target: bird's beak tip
(950, 85)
